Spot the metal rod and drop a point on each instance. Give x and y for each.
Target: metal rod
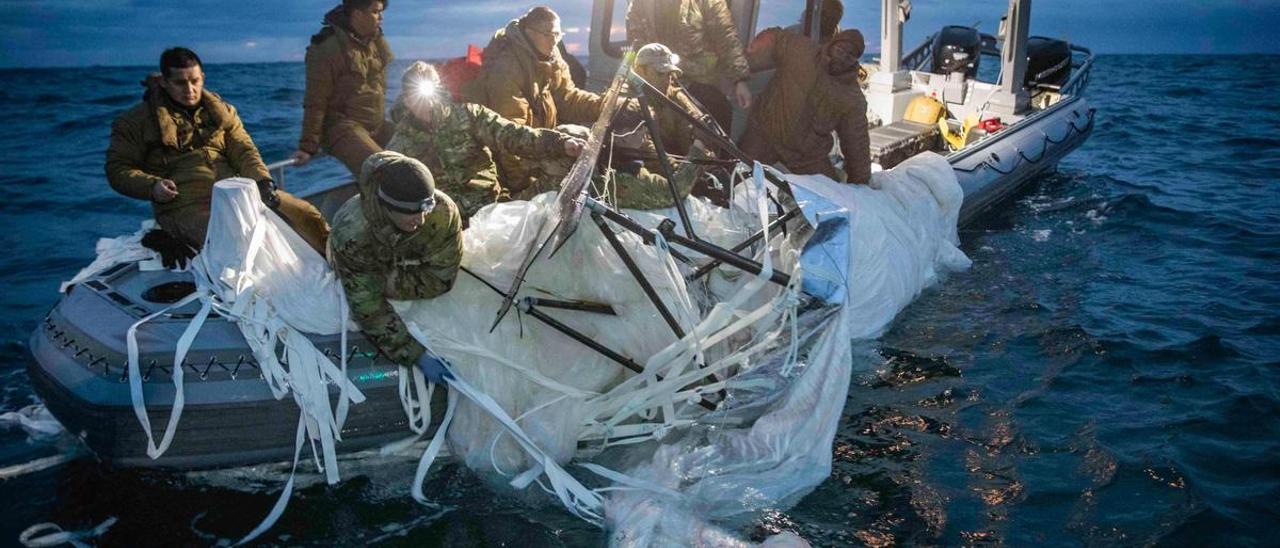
(649, 291)
(581, 338)
(602, 349)
(580, 306)
(655, 133)
(621, 219)
(732, 259)
(704, 269)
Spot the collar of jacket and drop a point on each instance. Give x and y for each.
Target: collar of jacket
(339, 19)
(513, 36)
(162, 108)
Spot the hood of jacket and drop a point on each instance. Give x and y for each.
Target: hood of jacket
(513, 38)
(162, 108)
(339, 19)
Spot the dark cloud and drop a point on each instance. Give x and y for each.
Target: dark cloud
(120, 32)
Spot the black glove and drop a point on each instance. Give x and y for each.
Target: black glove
(267, 189)
(174, 253)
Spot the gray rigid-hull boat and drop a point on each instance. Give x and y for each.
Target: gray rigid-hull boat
(231, 417)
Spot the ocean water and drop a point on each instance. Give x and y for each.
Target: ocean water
(1108, 372)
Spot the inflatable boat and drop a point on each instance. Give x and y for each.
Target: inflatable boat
(231, 415)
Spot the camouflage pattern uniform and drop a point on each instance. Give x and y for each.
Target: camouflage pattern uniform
(376, 261)
(649, 190)
(459, 149)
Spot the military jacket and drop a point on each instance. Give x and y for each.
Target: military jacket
(527, 89)
(459, 149)
(802, 107)
(377, 262)
(346, 83)
(700, 31)
(159, 139)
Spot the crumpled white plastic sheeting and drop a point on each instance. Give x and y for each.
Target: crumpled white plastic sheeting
(121, 249)
(538, 375)
(902, 237)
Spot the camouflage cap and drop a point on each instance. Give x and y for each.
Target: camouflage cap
(659, 57)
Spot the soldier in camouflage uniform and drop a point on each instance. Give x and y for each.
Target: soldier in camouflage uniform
(457, 141)
(636, 187)
(703, 33)
(400, 238)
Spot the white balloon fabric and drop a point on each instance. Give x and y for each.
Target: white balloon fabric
(528, 399)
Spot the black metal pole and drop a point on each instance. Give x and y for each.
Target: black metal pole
(638, 275)
(733, 259)
(602, 349)
(580, 306)
(655, 133)
(780, 221)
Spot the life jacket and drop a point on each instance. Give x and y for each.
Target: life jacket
(456, 73)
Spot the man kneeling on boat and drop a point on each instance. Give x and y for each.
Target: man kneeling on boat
(172, 147)
(400, 238)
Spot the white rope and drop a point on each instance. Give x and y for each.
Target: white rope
(44, 535)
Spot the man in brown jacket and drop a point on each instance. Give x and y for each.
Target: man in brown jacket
(813, 93)
(181, 139)
(526, 81)
(702, 33)
(343, 109)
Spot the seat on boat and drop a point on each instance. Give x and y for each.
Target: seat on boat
(893, 143)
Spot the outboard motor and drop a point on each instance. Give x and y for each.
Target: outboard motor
(956, 49)
(1048, 62)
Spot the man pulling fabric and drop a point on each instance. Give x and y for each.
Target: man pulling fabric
(813, 94)
(400, 238)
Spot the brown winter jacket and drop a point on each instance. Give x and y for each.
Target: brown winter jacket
(159, 139)
(700, 31)
(792, 121)
(526, 88)
(346, 82)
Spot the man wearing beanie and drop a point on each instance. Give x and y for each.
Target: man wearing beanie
(813, 94)
(400, 238)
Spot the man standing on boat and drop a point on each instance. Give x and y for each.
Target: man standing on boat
(525, 80)
(457, 140)
(343, 109)
(813, 94)
(400, 238)
(182, 138)
(702, 33)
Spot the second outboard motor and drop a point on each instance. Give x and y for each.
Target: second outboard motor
(956, 49)
(1048, 62)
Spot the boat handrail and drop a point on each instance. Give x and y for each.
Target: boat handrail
(919, 57)
(1079, 80)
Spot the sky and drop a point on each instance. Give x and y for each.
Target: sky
(74, 33)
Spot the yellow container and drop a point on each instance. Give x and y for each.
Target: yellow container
(924, 110)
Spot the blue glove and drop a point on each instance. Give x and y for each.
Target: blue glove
(434, 367)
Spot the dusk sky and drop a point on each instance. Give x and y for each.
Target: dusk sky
(133, 32)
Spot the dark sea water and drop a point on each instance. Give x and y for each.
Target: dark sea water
(1108, 372)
